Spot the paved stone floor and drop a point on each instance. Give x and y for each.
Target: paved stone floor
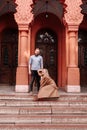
(84, 89)
(11, 89)
(7, 89)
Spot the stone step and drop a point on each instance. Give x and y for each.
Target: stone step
(16, 97)
(73, 97)
(43, 110)
(69, 110)
(37, 119)
(42, 103)
(25, 110)
(46, 104)
(70, 119)
(67, 97)
(21, 112)
(43, 127)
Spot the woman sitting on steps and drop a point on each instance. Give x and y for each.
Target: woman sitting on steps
(48, 88)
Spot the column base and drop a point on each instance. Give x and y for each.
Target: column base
(73, 88)
(73, 80)
(22, 79)
(22, 88)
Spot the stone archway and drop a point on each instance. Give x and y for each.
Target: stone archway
(48, 6)
(8, 43)
(82, 41)
(57, 29)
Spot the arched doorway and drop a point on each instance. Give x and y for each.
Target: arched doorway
(82, 41)
(46, 40)
(8, 56)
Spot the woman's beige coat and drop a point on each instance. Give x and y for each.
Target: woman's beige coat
(48, 87)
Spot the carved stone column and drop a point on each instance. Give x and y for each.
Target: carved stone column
(73, 18)
(23, 17)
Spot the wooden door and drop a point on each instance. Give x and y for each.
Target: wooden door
(83, 57)
(46, 40)
(8, 57)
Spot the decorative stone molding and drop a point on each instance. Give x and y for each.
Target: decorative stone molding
(23, 14)
(73, 27)
(73, 14)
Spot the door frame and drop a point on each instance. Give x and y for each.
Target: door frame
(11, 66)
(55, 38)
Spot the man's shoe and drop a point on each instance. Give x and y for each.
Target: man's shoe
(30, 93)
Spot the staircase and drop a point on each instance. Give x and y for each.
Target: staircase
(21, 112)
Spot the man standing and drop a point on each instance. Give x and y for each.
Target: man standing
(35, 63)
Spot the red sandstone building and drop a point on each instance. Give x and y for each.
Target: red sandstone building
(57, 27)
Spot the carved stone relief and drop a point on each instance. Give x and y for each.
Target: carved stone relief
(23, 14)
(73, 14)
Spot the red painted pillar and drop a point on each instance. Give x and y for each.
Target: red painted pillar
(22, 69)
(73, 75)
(73, 18)
(23, 18)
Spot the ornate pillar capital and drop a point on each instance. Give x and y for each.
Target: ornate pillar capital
(73, 16)
(23, 16)
(23, 27)
(73, 28)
